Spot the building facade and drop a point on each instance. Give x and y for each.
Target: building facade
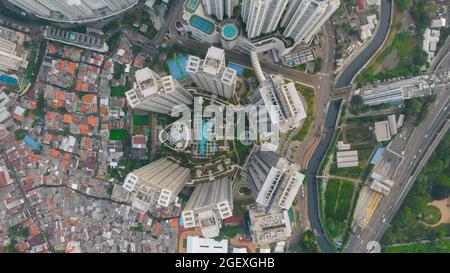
(284, 106)
(262, 16)
(215, 8)
(306, 18)
(275, 179)
(211, 74)
(13, 55)
(157, 94)
(74, 10)
(208, 205)
(156, 185)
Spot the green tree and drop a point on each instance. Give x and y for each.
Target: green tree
(420, 57)
(308, 243)
(20, 134)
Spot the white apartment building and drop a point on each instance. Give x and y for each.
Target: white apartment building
(157, 94)
(215, 7)
(262, 16)
(211, 74)
(220, 8)
(275, 179)
(229, 7)
(308, 18)
(282, 101)
(12, 53)
(195, 244)
(156, 185)
(208, 205)
(74, 10)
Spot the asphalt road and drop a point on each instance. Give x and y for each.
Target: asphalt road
(315, 162)
(350, 72)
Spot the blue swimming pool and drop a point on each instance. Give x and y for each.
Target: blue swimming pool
(239, 69)
(202, 24)
(205, 129)
(31, 142)
(7, 80)
(230, 31)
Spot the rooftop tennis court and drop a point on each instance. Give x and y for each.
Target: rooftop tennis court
(177, 67)
(191, 5)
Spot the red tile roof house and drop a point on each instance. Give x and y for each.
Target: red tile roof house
(139, 142)
(361, 4)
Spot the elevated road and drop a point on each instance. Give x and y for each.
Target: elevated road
(418, 150)
(243, 59)
(414, 146)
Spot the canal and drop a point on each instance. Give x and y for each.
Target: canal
(314, 210)
(350, 72)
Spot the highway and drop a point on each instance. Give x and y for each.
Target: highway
(413, 147)
(346, 77)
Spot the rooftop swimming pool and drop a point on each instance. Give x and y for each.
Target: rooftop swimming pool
(8, 80)
(230, 31)
(239, 69)
(202, 24)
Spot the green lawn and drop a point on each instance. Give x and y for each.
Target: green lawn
(441, 246)
(308, 95)
(118, 91)
(118, 134)
(358, 133)
(338, 203)
(338, 197)
(141, 120)
(245, 190)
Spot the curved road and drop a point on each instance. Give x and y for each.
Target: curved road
(352, 70)
(314, 211)
(344, 80)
